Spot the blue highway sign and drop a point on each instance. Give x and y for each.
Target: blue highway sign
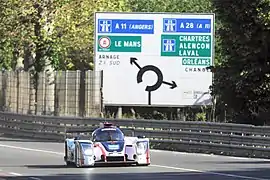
(125, 26)
(171, 25)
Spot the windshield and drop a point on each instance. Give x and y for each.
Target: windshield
(108, 135)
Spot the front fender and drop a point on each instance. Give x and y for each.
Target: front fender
(141, 156)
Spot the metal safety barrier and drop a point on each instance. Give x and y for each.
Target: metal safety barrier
(192, 136)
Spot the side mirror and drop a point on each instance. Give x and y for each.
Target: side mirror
(76, 138)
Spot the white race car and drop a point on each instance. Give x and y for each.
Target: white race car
(107, 144)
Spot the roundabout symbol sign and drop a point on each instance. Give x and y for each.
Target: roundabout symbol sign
(159, 74)
(104, 42)
(145, 59)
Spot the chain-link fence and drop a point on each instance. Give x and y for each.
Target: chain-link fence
(61, 93)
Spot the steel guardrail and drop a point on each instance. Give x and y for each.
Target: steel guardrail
(188, 136)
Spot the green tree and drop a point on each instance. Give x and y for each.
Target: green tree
(75, 31)
(11, 33)
(180, 6)
(26, 28)
(242, 79)
(54, 34)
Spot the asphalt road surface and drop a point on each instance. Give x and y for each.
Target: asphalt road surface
(29, 160)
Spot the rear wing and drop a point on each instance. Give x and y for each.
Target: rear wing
(107, 125)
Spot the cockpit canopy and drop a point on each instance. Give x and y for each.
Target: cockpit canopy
(107, 134)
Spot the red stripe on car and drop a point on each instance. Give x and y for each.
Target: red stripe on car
(102, 151)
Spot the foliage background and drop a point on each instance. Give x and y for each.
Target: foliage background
(40, 35)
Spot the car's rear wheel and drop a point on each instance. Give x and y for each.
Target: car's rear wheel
(69, 164)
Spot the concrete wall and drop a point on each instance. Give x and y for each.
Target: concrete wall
(61, 93)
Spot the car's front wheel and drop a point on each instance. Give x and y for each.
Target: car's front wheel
(143, 164)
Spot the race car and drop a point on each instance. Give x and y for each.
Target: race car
(107, 145)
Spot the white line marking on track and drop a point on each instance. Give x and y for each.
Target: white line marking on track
(15, 174)
(9, 173)
(30, 149)
(35, 178)
(212, 173)
(154, 165)
(205, 155)
(2, 175)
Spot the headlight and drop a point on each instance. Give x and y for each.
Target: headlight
(89, 152)
(141, 147)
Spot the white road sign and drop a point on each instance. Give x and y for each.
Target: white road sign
(156, 59)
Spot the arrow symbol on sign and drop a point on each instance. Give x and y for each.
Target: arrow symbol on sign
(172, 84)
(155, 69)
(133, 61)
